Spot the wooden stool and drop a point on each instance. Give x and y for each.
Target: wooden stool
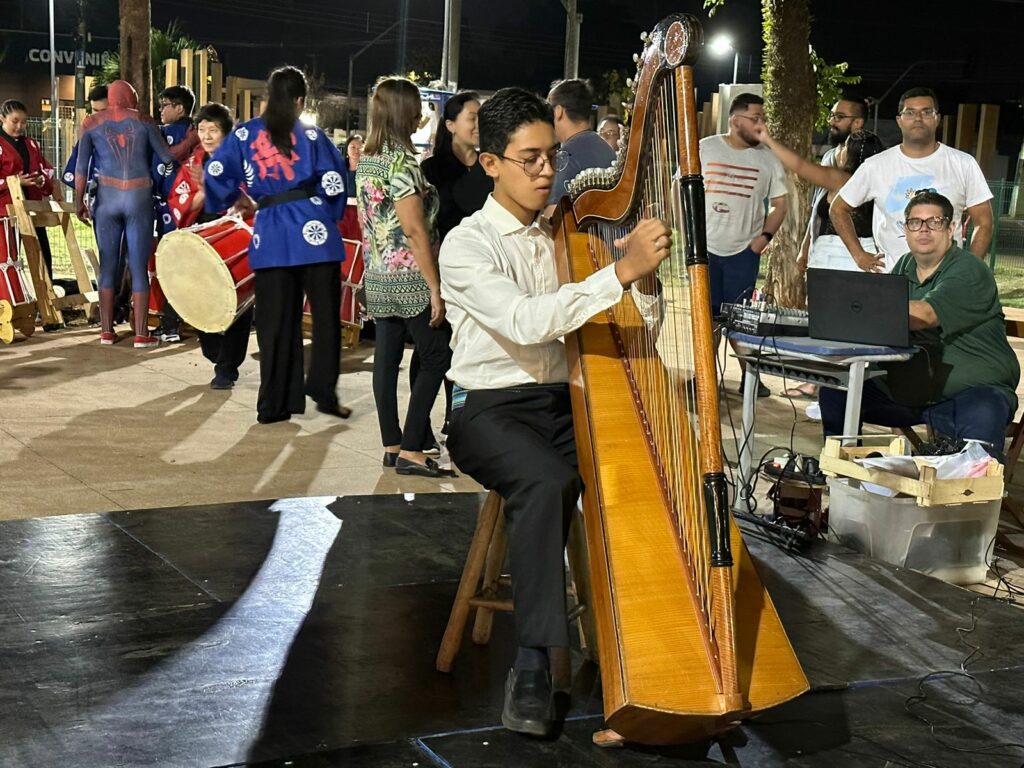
(485, 559)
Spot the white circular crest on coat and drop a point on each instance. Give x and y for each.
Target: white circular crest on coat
(216, 168)
(242, 133)
(311, 134)
(332, 183)
(255, 241)
(316, 200)
(314, 232)
(170, 139)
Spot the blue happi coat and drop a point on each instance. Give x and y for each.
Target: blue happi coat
(293, 233)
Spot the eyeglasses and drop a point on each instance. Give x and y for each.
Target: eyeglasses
(837, 116)
(755, 119)
(534, 166)
(935, 223)
(166, 104)
(927, 113)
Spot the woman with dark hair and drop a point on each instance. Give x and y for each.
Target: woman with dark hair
(297, 178)
(454, 168)
(353, 151)
(21, 156)
(225, 350)
(462, 187)
(398, 213)
(822, 247)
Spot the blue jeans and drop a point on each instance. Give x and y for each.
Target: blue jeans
(732, 278)
(977, 413)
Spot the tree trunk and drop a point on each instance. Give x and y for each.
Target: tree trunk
(790, 102)
(134, 56)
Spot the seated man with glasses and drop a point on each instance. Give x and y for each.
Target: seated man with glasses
(890, 178)
(963, 380)
(511, 426)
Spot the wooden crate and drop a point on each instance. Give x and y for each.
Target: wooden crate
(838, 460)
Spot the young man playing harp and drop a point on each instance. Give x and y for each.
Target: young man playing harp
(511, 425)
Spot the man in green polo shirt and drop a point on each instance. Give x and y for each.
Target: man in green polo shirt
(962, 383)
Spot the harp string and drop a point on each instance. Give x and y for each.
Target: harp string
(655, 331)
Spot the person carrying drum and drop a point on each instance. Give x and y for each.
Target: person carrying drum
(297, 178)
(225, 350)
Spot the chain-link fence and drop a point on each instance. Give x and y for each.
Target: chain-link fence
(58, 153)
(1006, 254)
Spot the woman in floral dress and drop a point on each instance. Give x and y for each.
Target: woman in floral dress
(398, 212)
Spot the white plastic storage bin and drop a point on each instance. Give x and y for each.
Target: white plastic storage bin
(948, 542)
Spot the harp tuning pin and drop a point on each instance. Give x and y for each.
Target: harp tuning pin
(636, 58)
(629, 82)
(644, 36)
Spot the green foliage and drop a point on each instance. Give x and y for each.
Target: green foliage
(713, 5)
(611, 87)
(163, 44)
(829, 79)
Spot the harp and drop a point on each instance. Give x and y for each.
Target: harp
(688, 639)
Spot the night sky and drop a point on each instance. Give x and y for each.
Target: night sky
(972, 54)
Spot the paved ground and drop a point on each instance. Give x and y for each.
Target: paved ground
(85, 428)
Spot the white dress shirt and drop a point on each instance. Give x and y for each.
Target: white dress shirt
(506, 309)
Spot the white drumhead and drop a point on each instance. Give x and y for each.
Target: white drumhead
(196, 281)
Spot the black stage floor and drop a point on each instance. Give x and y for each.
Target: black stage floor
(302, 632)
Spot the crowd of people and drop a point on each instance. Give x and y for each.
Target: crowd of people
(459, 263)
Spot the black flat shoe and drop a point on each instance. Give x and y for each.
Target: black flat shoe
(529, 702)
(389, 459)
(273, 419)
(334, 409)
(406, 467)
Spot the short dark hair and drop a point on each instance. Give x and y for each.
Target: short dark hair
(180, 95)
(919, 93)
(744, 100)
(505, 112)
(97, 93)
(216, 113)
(859, 102)
(575, 96)
(930, 197)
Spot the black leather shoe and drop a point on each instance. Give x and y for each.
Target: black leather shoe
(406, 467)
(529, 702)
(389, 459)
(221, 382)
(334, 409)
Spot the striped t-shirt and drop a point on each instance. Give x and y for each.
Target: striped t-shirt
(737, 183)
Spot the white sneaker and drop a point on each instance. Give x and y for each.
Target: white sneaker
(171, 337)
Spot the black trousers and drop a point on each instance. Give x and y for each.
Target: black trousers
(520, 443)
(279, 294)
(227, 350)
(435, 357)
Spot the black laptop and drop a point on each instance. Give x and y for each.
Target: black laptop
(859, 307)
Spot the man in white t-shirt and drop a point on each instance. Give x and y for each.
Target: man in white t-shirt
(739, 175)
(891, 178)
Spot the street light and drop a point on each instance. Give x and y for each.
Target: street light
(721, 45)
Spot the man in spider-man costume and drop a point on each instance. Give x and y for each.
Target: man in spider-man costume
(121, 142)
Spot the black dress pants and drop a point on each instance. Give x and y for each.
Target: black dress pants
(520, 443)
(279, 296)
(227, 350)
(435, 356)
